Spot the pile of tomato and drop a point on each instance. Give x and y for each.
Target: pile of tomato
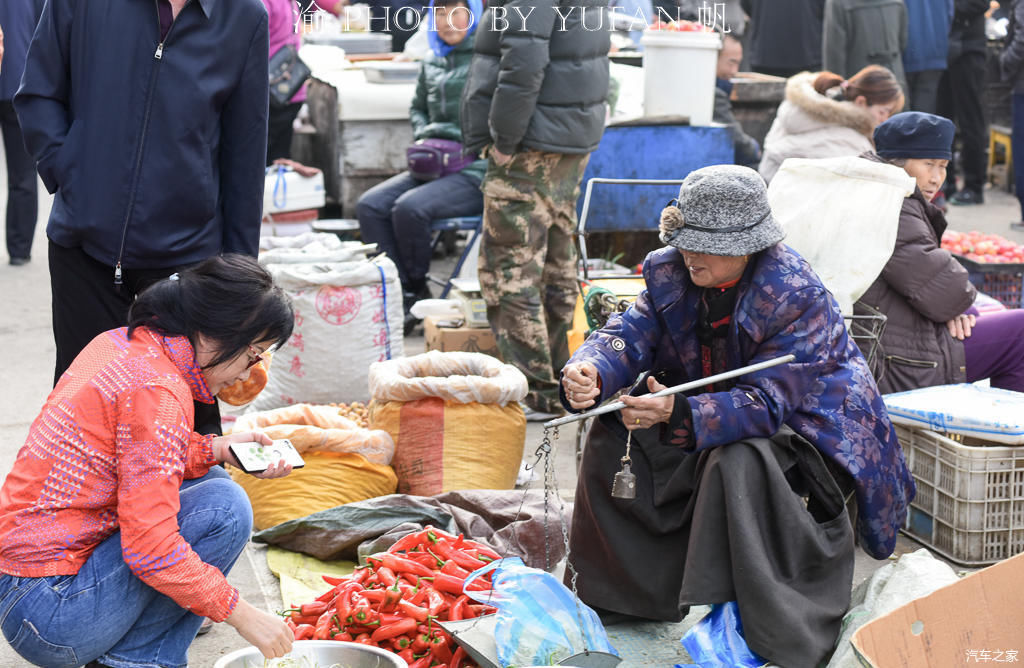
(680, 26)
(396, 600)
(978, 247)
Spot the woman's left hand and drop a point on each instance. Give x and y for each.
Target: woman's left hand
(222, 453)
(645, 411)
(960, 326)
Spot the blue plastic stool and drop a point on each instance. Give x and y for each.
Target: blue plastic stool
(437, 229)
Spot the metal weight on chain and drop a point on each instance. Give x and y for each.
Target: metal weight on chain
(624, 483)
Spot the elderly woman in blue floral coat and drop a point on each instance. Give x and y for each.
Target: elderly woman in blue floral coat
(744, 490)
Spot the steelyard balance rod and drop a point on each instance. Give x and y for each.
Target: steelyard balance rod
(692, 385)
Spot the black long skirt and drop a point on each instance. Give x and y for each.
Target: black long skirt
(760, 521)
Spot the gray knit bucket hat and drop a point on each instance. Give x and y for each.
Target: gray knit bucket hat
(722, 210)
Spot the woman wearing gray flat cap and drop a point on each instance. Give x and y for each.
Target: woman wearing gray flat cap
(742, 487)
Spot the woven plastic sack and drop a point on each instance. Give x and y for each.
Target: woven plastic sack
(539, 619)
(716, 641)
(347, 316)
(343, 463)
(455, 420)
(327, 480)
(841, 215)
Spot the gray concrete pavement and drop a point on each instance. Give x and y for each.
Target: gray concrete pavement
(26, 361)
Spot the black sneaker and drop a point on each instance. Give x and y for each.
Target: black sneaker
(966, 197)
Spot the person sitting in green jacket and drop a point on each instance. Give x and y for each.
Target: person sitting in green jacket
(396, 214)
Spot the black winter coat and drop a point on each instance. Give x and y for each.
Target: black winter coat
(539, 77)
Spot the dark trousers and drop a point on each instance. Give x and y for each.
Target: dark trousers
(396, 216)
(995, 350)
(923, 90)
(1017, 148)
(85, 303)
(22, 200)
(960, 94)
(279, 135)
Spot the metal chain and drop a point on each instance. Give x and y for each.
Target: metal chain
(629, 440)
(551, 483)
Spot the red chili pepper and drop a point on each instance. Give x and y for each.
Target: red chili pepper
(331, 580)
(316, 608)
(423, 558)
(438, 533)
(453, 569)
(484, 550)
(440, 649)
(458, 609)
(400, 643)
(391, 598)
(374, 595)
(453, 585)
(302, 619)
(422, 662)
(361, 610)
(435, 603)
(407, 655)
(479, 609)
(386, 576)
(414, 611)
(304, 632)
(343, 636)
(322, 629)
(421, 643)
(446, 550)
(408, 541)
(360, 574)
(364, 639)
(290, 623)
(457, 658)
(401, 565)
(407, 625)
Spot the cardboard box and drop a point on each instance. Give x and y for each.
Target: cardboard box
(978, 619)
(441, 336)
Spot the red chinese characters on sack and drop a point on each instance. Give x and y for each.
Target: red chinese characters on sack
(338, 305)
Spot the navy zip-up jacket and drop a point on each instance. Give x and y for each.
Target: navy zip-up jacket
(155, 150)
(18, 18)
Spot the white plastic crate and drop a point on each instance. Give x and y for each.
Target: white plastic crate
(970, 499)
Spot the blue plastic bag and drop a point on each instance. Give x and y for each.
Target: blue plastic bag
(717, 641)
(538, 623)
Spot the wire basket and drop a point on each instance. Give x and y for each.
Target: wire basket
(866, 331)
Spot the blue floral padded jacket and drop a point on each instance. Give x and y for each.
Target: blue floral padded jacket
(827, 394)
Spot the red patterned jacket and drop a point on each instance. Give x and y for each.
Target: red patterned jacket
(108, 452)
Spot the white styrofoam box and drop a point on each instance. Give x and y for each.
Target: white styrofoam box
(679, 74)
(987, 413)
(286, 190)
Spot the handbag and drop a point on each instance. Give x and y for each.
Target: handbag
(429, 159)
(287, 74)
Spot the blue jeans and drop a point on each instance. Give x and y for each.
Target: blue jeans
(105, 612)
(396, 216)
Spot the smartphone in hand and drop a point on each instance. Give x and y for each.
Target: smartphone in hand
(256, 458)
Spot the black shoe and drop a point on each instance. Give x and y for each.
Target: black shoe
(965, 197)
(410, 324)
(19, 261)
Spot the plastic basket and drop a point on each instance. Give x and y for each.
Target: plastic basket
(970, 499)
(1002, 282)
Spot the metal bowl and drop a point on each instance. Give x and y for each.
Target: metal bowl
(318, 654)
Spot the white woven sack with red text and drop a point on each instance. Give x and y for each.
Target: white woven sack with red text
(347, 316)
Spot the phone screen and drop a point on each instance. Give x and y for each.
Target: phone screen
(254, 457)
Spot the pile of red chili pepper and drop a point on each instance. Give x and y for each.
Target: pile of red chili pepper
(394, 601)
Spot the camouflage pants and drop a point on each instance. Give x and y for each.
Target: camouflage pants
(527, 264)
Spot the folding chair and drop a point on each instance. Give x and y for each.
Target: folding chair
(438, 227)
